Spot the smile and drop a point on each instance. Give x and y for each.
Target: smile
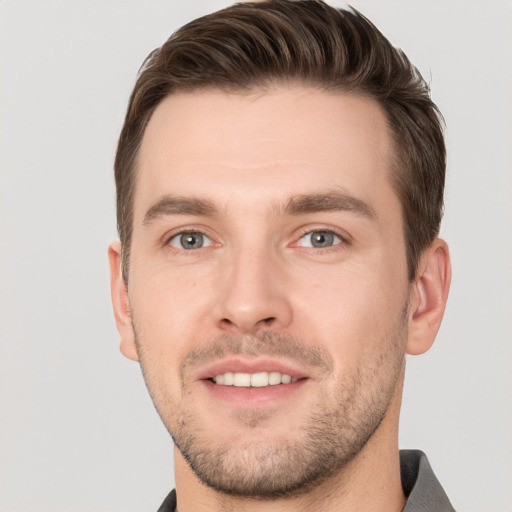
(254, 380)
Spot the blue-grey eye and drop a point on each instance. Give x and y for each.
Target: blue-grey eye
(319, 239)
(189, 241)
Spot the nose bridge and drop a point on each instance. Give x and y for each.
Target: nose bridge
(253, 293)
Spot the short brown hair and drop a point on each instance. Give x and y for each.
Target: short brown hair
(258, 44)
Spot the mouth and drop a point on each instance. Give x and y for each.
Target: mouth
(247, 382)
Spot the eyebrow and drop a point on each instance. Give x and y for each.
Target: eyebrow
(298, 205)
(177, 205)
(332, 201)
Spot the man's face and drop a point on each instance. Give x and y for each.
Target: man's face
(268, 245)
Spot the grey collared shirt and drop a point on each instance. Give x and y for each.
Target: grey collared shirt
(422, 488)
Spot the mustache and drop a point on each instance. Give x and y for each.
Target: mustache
(266, 343)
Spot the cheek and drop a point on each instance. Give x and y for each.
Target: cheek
(351, 310)
(169, 311)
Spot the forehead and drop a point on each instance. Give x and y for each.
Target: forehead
(263, 146)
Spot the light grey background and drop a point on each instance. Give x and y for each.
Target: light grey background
(77, 429)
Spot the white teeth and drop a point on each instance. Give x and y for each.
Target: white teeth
(286, 379)
(274, 378)
(241, 380)
(255, 380)
(259, 380)
(229, 379)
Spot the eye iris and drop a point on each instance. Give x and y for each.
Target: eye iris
(322, 239)
(192, 240)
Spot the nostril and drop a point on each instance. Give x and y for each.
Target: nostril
(231, 326)
(226, 322)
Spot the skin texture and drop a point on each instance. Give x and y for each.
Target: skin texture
(256, 174)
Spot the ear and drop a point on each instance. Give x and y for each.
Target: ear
(119, 294)
(428, 297)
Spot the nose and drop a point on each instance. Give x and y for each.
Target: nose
(254, 295)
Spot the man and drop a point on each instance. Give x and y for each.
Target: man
(280, 180)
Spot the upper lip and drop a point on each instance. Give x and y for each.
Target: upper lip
(253, 365)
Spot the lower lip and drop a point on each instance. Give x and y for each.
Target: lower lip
(251, 397)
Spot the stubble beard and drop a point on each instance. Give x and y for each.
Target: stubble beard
(335, 431)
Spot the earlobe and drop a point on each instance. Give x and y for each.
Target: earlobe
(121, 303)
(428, 297)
